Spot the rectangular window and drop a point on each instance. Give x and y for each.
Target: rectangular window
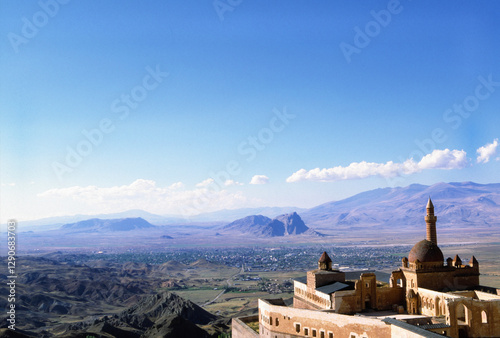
(297, 328)
(313, 332)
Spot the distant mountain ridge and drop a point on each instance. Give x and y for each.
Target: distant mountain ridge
(204, 219)
(50, 223)
(262, 226)
(229, 215)
(462, 203)
(465, 203)
(108, 225)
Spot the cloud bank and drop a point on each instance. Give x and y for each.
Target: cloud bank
(146, 195)
(438, 159)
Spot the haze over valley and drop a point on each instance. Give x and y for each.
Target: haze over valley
(389, 216)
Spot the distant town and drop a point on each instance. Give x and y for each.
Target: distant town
(258, 259)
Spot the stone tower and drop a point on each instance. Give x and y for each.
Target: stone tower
(324, 262)
(430, 220)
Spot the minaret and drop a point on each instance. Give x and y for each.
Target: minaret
(430, 220)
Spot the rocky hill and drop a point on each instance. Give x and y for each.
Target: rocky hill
(157, 307)
(252, 224)
(293, 224)
(161, 315)
(262, 226)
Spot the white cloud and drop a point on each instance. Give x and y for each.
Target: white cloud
(438, 159)
(487, 151)
(205, 183)
(145, 195)
(444, 159)
(12, 184)
(259, 179)
(230, 183)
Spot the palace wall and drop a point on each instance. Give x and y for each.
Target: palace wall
(308, 298)
(282, 321)
(387, 297)
(239, 329)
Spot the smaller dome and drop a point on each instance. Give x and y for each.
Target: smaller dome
(425, 251)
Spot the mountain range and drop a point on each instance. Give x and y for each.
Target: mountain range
(457, 204)
(262, 226)
(465, 203)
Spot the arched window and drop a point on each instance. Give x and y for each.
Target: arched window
(462, 313)
(484, 317)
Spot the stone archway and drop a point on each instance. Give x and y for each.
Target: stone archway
(463, 314)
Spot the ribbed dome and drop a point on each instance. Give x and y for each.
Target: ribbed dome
(425, 251)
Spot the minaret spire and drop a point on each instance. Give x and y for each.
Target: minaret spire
(430, 221)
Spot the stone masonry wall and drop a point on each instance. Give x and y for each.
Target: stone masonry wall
(299, 322)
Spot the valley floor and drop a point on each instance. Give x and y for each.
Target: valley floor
(71, 291)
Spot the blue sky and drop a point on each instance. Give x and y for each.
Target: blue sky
(195, 106)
